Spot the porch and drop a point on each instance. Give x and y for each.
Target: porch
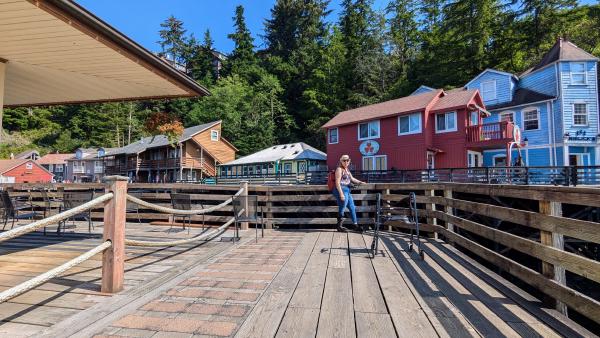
(490, 135)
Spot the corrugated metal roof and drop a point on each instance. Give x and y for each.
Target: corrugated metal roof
(159, 140)
(383, 109)
(293, 151)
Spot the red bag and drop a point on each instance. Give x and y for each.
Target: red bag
(331, 180)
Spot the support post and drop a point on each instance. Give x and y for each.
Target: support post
(431, 206)
(244, 186)
(364, 203)
(557, 241)
(269, 206)
(113, 258)
(388, 205)
(448, 210)
(2, 91)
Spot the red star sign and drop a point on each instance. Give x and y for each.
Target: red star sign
(369, 148)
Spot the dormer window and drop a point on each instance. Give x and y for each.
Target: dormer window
(368, 130)
(214, 135)
(488, 90)
(78, 154)
(578, 76)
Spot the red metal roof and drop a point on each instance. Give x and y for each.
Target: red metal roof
(55, 158)
(384, 109)
(454, 99)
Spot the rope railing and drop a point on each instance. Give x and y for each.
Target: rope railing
(168, 210)
(43, 278)
(54, 219)
(206, 237)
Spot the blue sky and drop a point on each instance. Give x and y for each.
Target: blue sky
(140, 19)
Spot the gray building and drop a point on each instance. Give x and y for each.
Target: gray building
(87, 165)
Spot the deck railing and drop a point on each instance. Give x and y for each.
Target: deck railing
(497, 131)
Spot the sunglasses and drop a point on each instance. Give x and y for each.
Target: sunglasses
(348, 160)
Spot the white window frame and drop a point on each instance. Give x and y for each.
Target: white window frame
(368, 123)
(587, 115)
(59, 168)
(29, 166)
(337, 135)
(472, 153)
(527, 110)
(495, 94)
(373, 159)
(50, 167)
(571, 72)
(409, 132)
(512, 113)
(78, 167)
(214, 135)
(437, 129)
(98, 168)
(498, 156)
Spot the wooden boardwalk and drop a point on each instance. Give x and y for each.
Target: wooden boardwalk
(289, 284)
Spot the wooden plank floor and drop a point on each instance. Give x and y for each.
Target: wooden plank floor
(79, 288)
(343, 293)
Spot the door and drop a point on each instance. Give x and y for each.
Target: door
(301, 167)
(430, 160)
(474, 159)
(579, 159)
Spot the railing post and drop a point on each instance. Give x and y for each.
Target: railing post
(557, 241)
(431, 207)
(244, 186)
(113, 258)
(269, 205)
(449, 210)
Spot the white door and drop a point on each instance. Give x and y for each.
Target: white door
(430, 160)
(474, 159)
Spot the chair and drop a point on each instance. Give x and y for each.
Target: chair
(73, 199)
(13, 207)
(47, 204)
(134, 207)
(246, 209)
(181, 202)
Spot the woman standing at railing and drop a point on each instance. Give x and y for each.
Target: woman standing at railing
(341, 192)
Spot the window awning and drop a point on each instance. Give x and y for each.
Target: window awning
(56, 52)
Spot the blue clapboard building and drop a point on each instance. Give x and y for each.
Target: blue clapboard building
(555, 104)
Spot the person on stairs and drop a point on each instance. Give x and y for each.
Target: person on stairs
(341, 192)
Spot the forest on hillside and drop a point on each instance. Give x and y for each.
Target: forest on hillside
(310, 68)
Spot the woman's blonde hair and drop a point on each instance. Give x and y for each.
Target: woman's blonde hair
(343, 157)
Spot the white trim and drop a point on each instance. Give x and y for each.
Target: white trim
(480, 162)
(521, 105)
(492, 71)
(499, 155)
(527, 110)
(422, 86)
(420, 130)
(565, 155)
(329, 135)
(437, 131)
(495, 91)
(212, 133)
(587, 115)
(526, 157)
(551, 134)
(597, 148)
(585, 82)
(369, 137)
(514, 119)
(562, 99)
(373, 158)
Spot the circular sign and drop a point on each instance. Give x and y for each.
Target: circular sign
(369, 147)
(517, 134)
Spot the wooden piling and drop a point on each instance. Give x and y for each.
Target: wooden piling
(113, 258)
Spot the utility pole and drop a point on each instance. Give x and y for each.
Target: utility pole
(2, 76)
(129, 129)
(118, 139)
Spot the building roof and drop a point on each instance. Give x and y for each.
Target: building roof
(59, 53)
(454, 99)
(522, 96)
(384, 109)
(159, 140)
(491, 70)
(563, 50)
(427, 88)
(26, 154)
(282, 152)
(55, 158)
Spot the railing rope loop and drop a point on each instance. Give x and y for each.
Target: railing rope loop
(43, 278)
(54, 219)
(168, 210)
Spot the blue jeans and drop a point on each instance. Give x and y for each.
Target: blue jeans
(347, 202)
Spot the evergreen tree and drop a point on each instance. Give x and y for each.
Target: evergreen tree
(242, 60)
(404, 41)
(172, 40)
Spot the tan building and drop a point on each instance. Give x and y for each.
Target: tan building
(193, 157)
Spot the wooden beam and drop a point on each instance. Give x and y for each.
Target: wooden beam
(555, 240)
(2, 93)
(113, 258)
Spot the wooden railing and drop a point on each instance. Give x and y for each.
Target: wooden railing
(533, 234)
(171, 163)
(497, 131)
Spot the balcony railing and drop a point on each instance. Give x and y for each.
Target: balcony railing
(171, 163)
(490, 133)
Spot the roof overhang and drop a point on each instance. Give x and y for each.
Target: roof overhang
(57, 52)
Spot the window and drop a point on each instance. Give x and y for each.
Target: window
(29, 166)
(507, 116)
(214, 135)
(59, 168)
(445, 122)
(287, 168)
(368, 130)
(531, 119)
(374, 163)
(50, 167)
(78, 167)
(488, 90)
(409, 124)
(578, 73)
(98, 166)
(500, 161)
(333, 136)
(173, 153)
(580, 114)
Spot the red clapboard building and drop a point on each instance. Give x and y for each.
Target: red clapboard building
(23, 171)
(428, 130)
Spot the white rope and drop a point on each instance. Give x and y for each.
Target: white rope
(207, 237)
(54, 219)
(43, 278)
(167, 210)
